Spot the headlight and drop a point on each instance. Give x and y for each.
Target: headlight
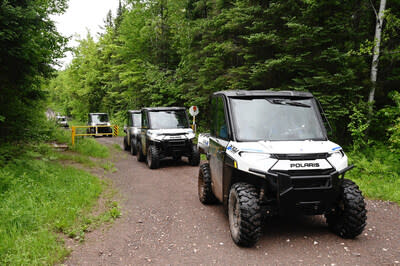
(337, 155)
(254, 155)
(154, 136)
(108, 124)
(191, 135)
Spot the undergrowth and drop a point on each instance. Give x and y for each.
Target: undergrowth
(377, 172)
(41, 198)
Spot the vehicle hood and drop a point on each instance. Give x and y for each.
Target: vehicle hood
(288, 147)
(101, 123)
(172, 131)
(256, 155)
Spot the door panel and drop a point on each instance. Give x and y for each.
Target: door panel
(216, 151)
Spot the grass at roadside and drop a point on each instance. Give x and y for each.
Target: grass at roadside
(377, 172)
(41, 198)
(90, 147)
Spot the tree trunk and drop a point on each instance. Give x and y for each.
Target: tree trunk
(375, 54)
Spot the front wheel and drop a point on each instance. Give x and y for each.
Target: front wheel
(133, 146)
(348, 219)
(125, 144)
(244, 214)
(153, 157)
(139, 155)
(204, 189)
(194, 157)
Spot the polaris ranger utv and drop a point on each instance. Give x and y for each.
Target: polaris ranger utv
(166, 133)
(132, 130)
(99, 119)
(268, 154)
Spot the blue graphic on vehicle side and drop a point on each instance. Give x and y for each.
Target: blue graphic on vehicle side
(252, 150)
(336, 148)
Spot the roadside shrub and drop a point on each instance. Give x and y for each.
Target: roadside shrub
(359, 124)
(394, 131)
(377, 172)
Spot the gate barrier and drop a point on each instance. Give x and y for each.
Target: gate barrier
(74, 134)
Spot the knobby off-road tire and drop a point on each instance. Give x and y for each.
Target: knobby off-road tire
(133, 146)
(244, 214)
(139, 155)
(206, 195)
(194, 158)
(125, 144)
(153, 157)
(349, 218)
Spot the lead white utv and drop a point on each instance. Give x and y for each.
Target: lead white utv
(269, 154)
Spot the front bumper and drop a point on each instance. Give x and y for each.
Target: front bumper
(175, 147)
(100, 130)
(307, 192)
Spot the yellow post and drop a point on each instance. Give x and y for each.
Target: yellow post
(73, 135)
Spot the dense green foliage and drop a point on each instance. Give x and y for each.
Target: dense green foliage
(29, 45)
(377, 172)
(39, 197)
(177, 52)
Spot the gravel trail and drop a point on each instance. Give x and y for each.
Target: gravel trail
(163, 222)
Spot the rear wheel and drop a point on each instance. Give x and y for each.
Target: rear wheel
(139, 155)
(204, 189)
(133, 146)
(194, 158)
(244, 214)
(125, 144)
(153, 158)
(349, 217)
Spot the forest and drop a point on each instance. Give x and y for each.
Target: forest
(177, 53)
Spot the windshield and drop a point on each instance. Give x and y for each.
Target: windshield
(168, 119)
(99, 118)
(276, 119)
(137, 120)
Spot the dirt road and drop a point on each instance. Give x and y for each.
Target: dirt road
(163, 222)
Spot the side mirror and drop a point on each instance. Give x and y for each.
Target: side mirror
(125, 128)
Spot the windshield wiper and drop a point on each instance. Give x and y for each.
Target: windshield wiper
(298, 104)
(283, 102)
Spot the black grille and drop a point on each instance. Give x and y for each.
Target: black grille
(177, 144)
(311, 182)
(104, 130)
(314, 172)
(308, 178)
(301, 156)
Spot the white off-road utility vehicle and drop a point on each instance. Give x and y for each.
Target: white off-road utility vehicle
(62, 121)
(99, 123)
(268, 154)
(166, 132)
(132, 130)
